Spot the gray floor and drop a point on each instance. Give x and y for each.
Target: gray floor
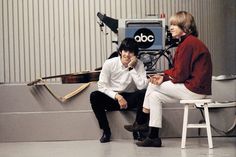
(196, 147)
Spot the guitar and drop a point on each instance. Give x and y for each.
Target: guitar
(82, 77)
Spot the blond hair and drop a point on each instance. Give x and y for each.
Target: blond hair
(184, 21)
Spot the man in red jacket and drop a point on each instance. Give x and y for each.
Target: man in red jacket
(190, 77)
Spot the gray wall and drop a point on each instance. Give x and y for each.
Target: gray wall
(225, 48)
(48, 37)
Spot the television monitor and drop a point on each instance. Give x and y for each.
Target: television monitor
(149, 33)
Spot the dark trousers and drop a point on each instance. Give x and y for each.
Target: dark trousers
(101, 103)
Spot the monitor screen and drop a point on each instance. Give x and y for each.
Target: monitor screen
(149, 33)
(148, 38)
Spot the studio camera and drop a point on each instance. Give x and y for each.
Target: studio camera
(152, 35)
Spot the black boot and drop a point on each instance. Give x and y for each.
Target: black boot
(136, 127)
(152, 140)
(105, 137)
(148, 142)
(138, 135)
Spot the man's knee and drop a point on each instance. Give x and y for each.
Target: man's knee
(94, 96)
(156, 97)
(154, 94)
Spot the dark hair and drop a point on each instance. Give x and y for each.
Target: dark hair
(129, 44)
(185, 21)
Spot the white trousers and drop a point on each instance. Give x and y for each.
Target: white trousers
(167, 92)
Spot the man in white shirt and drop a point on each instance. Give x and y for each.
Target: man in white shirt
(121, 86)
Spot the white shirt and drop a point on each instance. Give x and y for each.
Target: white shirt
(115, 78)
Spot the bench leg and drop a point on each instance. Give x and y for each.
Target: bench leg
(208, 126)
(185, 123)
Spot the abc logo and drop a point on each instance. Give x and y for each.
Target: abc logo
(144, 37)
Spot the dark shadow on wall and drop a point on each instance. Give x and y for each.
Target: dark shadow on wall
(224, 61)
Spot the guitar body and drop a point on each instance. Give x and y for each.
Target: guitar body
(83, 77)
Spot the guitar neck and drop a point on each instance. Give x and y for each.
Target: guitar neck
(56, 76)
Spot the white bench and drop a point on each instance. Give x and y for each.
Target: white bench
(198, 103)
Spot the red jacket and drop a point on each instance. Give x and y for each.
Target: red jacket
(192, 66)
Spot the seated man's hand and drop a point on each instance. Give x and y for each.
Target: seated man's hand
(133, 62)
(156, 79)
(121, 101)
